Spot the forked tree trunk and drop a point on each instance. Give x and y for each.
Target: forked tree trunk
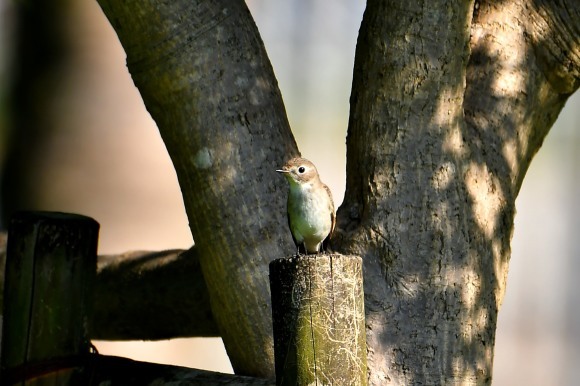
(446, 114)
(450, 101)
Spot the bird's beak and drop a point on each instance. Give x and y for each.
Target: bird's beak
(282, 171)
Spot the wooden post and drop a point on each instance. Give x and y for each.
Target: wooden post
(50, 270)
(319, 323)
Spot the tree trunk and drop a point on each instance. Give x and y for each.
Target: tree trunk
(204, 76)
(446, 114)
(450, 102)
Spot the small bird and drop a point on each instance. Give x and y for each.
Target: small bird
(311, 215)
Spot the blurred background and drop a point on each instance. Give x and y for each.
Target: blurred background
(90, 147)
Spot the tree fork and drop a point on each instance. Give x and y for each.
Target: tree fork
(448, 106)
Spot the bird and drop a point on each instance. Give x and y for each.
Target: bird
(311, 215)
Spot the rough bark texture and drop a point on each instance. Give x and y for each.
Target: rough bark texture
(50, 271)
(450, 102)
(151, 295)
(319, 320)
(446, 114)
(204, 76)
(145, 296)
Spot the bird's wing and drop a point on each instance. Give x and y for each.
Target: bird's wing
(332, 212)
(332, 219)
(290, 224)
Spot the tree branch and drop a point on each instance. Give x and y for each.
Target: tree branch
(516, 87)
(151, 295)
(554, 30)
(204, 76)
(146, 296)
(103, 369)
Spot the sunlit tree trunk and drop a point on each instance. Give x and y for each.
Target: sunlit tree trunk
(204, 76)
(450, 101)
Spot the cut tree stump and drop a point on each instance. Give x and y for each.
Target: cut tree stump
(319, 322)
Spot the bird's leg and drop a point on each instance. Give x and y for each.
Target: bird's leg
(298, 245)
(324, 246)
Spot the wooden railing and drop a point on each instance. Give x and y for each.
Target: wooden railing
(56, 300)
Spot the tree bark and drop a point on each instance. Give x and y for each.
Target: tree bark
(450, 102)
(109, 370)
(150, 296)
(204, 76)
(50, 270)
(145, 296)
(319, 321)
(446, 113)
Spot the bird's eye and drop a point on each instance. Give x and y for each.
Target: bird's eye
(301, 169)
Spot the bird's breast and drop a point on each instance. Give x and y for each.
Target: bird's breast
(310, 213)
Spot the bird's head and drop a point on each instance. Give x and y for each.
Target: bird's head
(299, 171)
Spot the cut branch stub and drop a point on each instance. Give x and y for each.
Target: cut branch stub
(319, 323)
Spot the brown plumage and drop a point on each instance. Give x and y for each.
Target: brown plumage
(311, 215)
